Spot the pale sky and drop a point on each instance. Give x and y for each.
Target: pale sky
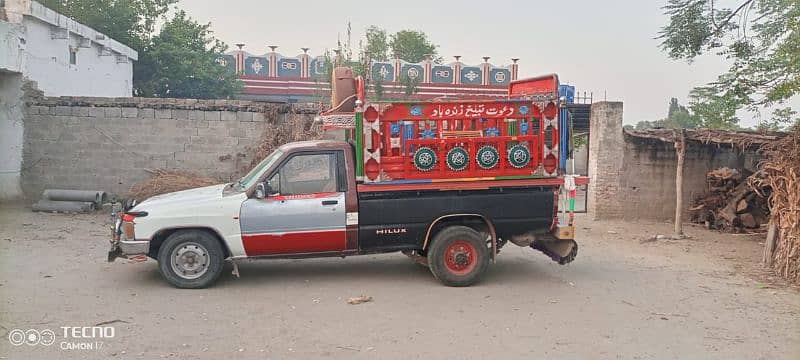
(606, 47)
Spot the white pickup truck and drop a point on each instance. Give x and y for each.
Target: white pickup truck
(303, 201)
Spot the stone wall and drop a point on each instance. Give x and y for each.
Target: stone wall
(647, 179)
(107, 143)
(634, 178)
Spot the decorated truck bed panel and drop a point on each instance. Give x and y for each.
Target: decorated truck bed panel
(406, 141)
(451, 140)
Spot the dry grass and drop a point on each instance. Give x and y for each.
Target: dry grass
(163, 181)
(780, 172)
(275, 135)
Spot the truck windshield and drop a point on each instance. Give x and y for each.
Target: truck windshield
(250, 179)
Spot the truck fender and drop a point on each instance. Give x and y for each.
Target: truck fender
(488, 223)
(162, 234)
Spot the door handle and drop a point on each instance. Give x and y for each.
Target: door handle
(330, 202)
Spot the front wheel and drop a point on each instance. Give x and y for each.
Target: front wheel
(191, 259)
(458, 256)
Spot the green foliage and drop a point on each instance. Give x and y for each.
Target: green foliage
(581, 140)
(412, 45)
(181, 62)
(410, 85)
(678, 117)
(377, 43)
(760, 38)
(715, 111)
(783, 118)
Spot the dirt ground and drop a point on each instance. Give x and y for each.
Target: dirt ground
(702, 298)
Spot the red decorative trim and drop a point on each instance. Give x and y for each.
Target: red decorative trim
(294, 242)
(469, 184)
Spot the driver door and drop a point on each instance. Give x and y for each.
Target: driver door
(305, 212)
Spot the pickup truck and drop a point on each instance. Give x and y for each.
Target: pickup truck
(304, 201)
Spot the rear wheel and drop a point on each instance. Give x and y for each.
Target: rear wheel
(458, 256)
(191, 259)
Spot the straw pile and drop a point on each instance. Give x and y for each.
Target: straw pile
(780, 172)
(740, 139)
(164, 181)
(275, 135)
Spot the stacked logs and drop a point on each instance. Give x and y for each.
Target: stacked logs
(729, 204)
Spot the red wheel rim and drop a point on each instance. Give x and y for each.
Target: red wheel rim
(460, 257)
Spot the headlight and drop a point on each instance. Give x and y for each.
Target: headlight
(127, 227)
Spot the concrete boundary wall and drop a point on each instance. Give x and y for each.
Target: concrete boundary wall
(634, 178)
(107, 143)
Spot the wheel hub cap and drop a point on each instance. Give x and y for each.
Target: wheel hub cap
(190, 260)
(460, 257)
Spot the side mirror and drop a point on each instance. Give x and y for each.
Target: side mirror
(261, 191)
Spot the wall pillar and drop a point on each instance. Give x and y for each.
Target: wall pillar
(12, 107)
(606, 151)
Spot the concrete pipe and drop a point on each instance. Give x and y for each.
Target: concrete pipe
(64, 206)
(97, 197)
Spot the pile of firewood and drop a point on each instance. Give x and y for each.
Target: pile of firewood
(729, 204)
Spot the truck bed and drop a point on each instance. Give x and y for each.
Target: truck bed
(397, 217)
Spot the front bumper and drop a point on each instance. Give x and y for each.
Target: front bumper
(134, 247)
(124, 248)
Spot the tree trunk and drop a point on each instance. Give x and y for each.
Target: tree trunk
(680, 149)
(771, 241)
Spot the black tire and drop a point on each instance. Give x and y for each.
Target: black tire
(469, 262)
(191, 244)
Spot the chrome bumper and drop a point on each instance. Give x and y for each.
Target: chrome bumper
(134, 247)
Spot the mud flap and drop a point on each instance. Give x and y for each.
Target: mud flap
(561, 251)
(114, 253)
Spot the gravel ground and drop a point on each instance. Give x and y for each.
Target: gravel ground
(702, 298)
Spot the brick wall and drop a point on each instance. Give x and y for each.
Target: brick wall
(605, 159)
(634, 178)
(106, 143)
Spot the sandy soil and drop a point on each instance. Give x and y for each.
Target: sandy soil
(703, 298)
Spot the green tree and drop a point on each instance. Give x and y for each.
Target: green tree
(761, 40)
(184, 64)
(678, 117)
(412, 45)
(377, 43)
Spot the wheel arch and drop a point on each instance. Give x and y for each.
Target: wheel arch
(465, 219)
(161, 235)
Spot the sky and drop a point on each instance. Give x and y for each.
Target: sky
(604, 47)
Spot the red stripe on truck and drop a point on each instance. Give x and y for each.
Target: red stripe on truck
(294, 242)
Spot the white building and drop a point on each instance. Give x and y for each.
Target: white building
(64, 58)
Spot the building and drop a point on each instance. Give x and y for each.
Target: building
(304, 78)
(63, 58)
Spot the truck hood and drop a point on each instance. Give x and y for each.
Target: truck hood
(182, 198)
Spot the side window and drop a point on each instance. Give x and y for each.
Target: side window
(308, 174)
